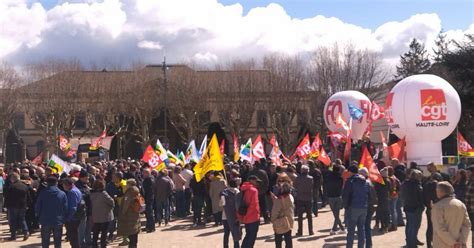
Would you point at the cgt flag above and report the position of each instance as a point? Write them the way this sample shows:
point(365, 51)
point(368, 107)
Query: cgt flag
point(211, 160)
point(314, 153)
point(367, 162)
point(96, 143)
point(258, 151)
point(397, 150)
point(464, 148)
point(275, 154)
point(64, 144)
point(304, 148)
point(151, 158)
point(324, 157)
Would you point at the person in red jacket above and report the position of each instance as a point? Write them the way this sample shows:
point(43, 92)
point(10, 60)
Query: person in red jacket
point(252, 218)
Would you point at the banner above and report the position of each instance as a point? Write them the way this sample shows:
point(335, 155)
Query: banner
point(324, 157)
point(314, 153)
point(58, 165)
point(367, 162)
point(64, 144)
point(151, 158)
point(96, 143)
point(464, 148)
point(246, 151)
point(397, 150)
point(304, 148)
point(211, 160)
point(275, 153)
point(258, 151)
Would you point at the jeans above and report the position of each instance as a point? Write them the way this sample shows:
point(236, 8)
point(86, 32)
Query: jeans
point(82, 232)
point(335, 203)
point(72, 231)
point(357, 218)
point(393, 211)
point(100, 228)
point(160, 207)
point(16, 220)
point(180, 204)
point(368, 228)
point(315, 201)
point(263, 206)
point(304, 207)
point(288, 240)
point(429, 229)
point(46, 233)
point(150, 220)
point(198, 204)
point(187, 200)
point(251, 231)
point(412, 227)
point(227, 233)
point(133, 241)
point(399, 211)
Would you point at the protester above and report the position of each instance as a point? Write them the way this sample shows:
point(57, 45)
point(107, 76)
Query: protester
point(116, 189)
point(102, 212)
point(216, 186)
point(179, 183)
point(412, 193)
point(429, 196)
point(451, 223)
point(258, 171)
point(460, 184)
point(315, 172)
point(51, 209)
point(401, 175)
point(469, 198)
point(229, 213)
point(2, 183)
point(199, 196)
point(304, 195)
point(148, 194)
point(17, 197)
point(162, 189)
point(356, 202)
point(371, 208)
point(334, 185)
point(394, 195)
point(282, 215)
point(85, 226)
point(76, 211)
point(383, 199)
point(188, 175)
point(251, 219)
point(129, 217)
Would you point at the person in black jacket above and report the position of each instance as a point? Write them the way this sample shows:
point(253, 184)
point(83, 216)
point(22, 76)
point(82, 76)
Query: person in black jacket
point(334, 183)
point(85, 226)
point(199, 195)
point(412, 194)
point(317, 182)
point(304, 194)
point(263, 188)
point(148, 194)
point(17, 198)
point(383, 197)
point(429, 197)
point(400, 173)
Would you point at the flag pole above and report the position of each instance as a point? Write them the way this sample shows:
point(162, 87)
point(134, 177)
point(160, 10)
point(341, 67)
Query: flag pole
point(457, 143)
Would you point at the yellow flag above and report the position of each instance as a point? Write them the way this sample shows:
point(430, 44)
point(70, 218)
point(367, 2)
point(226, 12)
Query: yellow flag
point(211, 160)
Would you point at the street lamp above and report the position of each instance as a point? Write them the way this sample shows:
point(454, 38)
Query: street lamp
point(165, 114)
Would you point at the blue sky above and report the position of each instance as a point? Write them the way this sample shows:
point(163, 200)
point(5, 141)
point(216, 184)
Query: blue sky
point(455, 14)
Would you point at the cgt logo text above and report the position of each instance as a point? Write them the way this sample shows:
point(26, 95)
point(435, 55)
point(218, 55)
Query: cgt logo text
point(433, 105)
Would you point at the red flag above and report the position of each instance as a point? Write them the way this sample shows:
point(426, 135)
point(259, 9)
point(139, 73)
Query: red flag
point(347, 148)
point(153, 159)
point(323, 157)
point(315, 146)
point(96, 143)
point(304, 148)
point(71, 153)
point(275, 154)
point(397, 150)
point(367, 162)
point(38, 159)
point(258, 151)
point(64, 144)
point(222, 146)
point(377, 112)
point(336, 139)
point(464, 148)
point(236, 149)
point(341, 123)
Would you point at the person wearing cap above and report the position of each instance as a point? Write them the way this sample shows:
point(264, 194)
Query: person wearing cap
point(76, 210)
point(355, 195)
point(51, 210)
point(469, 197)
point(304, 195)
point(451, 223)
point(251, 219)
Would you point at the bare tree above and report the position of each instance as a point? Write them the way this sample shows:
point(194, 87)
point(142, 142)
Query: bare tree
point(9, 81)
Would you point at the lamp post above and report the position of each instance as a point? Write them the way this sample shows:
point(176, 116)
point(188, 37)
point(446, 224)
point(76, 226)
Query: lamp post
point(165, 109)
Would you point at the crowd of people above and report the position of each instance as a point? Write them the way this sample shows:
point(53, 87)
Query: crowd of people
point(104, 201)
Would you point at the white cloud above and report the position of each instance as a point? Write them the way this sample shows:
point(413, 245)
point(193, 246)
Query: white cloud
point(201, 30)
point(151, 45)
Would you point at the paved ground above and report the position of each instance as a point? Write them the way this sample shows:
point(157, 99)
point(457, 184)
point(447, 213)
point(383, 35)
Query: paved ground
point(181, 235)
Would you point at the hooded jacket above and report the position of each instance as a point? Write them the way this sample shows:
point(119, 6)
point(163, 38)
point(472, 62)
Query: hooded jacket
point(51, 206)
point(251, 198)
point(356, 192)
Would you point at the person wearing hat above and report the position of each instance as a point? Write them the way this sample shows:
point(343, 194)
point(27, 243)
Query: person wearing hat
point(469, 197)
point(251, 219)
point(451, 223)
point(51, 210)
point(355, 196)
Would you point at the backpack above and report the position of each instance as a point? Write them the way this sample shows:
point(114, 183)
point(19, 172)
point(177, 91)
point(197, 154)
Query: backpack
point(240, 203)
point(138, 205)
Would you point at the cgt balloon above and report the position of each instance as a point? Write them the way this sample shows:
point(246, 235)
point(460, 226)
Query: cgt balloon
point(424, 109)
point(339, 103)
